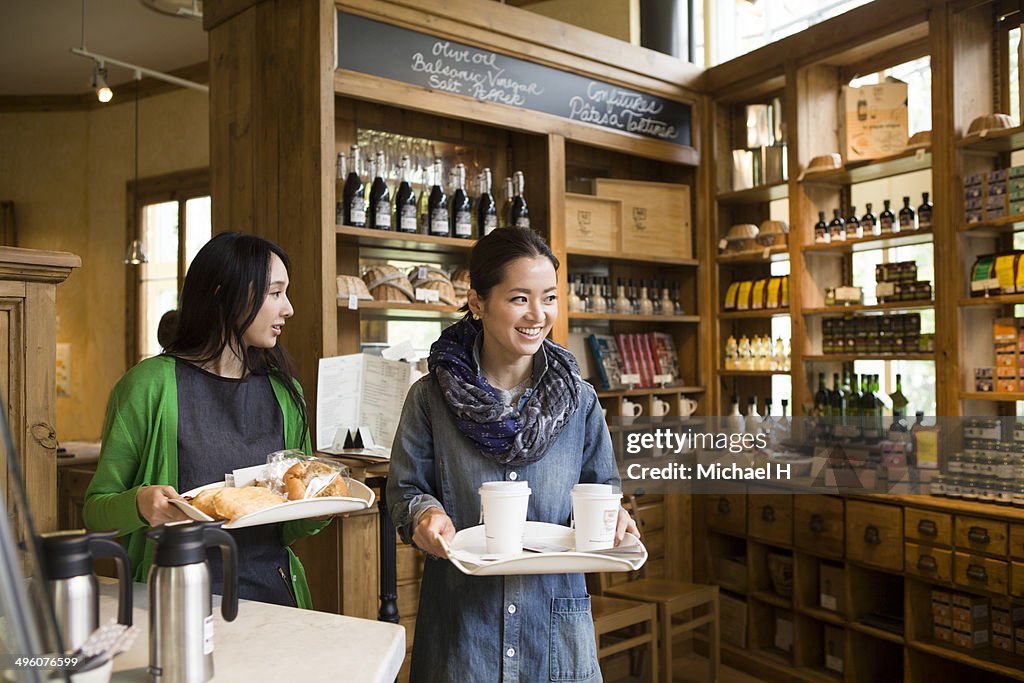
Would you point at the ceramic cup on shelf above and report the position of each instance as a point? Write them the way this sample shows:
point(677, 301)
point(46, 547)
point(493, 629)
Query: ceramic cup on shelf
point(660, 408)
point(630, 409)
point(687, 406)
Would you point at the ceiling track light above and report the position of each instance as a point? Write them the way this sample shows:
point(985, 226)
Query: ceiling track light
point(99, 83)
point(159, 75)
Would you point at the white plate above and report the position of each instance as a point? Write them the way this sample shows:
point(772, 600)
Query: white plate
point(362, 497)
point(469, 545)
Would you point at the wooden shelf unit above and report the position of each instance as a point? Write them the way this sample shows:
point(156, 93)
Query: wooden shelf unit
point(628, 317)
point(851, 357)
point(756, 195)
point(912, 160)
point(893, 307)
point(753, 314)
point(903, 239)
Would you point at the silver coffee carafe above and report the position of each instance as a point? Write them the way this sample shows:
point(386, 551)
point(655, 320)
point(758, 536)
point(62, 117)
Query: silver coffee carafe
point(74, 592)
point(180, 605)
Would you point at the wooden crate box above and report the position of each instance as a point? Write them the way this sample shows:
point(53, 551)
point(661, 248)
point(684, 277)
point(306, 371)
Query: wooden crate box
point(655, 217)
point(592, 223)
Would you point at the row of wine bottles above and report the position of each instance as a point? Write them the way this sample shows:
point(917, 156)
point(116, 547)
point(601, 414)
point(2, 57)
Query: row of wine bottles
point(864, 402)
point(841, 229)
point(443, 209)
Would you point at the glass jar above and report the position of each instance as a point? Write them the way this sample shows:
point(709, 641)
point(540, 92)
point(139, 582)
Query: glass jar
point(955, 463)
point(953, 489)
point(986, 490)
point(987, 464)
point(1005, 470)
point(970, 464)
point(969, 488)
point(937, 486)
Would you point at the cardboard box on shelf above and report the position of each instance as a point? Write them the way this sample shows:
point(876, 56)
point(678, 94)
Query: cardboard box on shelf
point(783, 630)
point(831, 595)
point(873, 121)
point(834, 648)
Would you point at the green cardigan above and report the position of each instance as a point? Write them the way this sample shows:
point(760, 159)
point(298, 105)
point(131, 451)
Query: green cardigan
point(140, 448)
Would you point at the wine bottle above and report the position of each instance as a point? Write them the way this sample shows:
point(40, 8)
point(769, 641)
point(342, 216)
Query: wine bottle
point(899, 401)
point(869, 222)
point(486, 208)
point(520, 213)
point(753, 421)
point(822, 407)
point(821, 234)
point(853, 226)
point(423, 204)
point(380, 197)
point(838, 399)
point(924, 213)
point(622, 304)
point(405, 199)
point(677, 304)
point(461, 208)
point(887, 220)
point(437, 207)
point(339, 189)
point(907, 216)
point(837, 227)
point(355, 199)
point(506, 206)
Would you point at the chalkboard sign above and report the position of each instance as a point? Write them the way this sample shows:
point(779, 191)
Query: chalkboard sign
point(380, 49)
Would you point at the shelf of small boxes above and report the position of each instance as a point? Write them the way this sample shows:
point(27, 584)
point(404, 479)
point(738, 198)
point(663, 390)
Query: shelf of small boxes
point(895, 336)
point(993, 196)
point(989, 470)
point(1008, 350)
point(984, 625)
point(997, 275)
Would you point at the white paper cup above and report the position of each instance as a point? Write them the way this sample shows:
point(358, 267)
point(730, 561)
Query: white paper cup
point(595, 511)
point(503, 507)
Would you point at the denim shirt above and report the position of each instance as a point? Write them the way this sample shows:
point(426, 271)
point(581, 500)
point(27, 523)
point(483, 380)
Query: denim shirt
point(505, 628)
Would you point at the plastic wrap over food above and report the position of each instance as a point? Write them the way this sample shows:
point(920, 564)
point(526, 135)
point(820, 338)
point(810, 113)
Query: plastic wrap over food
point(296, 476)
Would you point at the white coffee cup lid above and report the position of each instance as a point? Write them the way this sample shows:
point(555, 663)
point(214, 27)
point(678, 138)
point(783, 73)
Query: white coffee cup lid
point(504, 485)
point(595, 489)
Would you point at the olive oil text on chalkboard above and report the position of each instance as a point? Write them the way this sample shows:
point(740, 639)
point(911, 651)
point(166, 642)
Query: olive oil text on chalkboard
point(400, 54)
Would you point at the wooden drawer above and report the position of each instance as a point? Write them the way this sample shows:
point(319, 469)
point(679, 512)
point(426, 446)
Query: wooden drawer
point(770, 517)
point(1017, 579)
point(818, 524)
point(981, 535)
point(930, 562)
point(1017, 540)
point(874, 534)
point(650, 516)
point(935, 528)
point(726, 512)
point(981, 573)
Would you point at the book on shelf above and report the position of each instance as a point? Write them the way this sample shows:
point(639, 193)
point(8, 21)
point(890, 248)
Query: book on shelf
point(666, 360)
point(607, 359)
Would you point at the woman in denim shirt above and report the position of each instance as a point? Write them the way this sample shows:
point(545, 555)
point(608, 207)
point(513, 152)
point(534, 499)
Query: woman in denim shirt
point(501, 402)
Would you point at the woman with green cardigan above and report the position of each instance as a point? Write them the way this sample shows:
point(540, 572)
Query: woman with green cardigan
point(221, 397)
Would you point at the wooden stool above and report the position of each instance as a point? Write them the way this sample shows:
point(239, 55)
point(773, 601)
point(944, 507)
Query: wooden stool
point(613, 614)
point(674, 598)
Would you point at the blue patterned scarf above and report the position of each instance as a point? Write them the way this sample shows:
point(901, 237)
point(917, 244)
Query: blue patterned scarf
point(505, 435)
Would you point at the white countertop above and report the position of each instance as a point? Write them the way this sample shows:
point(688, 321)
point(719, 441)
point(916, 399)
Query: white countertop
point(274, 643)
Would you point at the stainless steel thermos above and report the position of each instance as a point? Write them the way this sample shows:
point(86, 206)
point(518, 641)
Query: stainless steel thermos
point(73, 589)
point(180, 605)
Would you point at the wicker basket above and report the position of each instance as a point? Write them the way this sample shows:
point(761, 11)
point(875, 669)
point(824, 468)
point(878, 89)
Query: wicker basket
point(349, 285)
point(773, 233)
point(982, 124)
point(780, 570)
point(741, 237)
point(429, 277)
point(460, 282)
point(388, 283)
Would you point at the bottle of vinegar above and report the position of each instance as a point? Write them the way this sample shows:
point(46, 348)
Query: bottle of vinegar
point(354, 195)
point(380, 197)
point(486, 207)
point(405, 200)
point(520, 214)
point(461, 206)
point(437, 205)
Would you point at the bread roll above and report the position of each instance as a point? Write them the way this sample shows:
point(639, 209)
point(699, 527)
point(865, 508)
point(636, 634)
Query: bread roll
point(299, 475)
point(231, 503)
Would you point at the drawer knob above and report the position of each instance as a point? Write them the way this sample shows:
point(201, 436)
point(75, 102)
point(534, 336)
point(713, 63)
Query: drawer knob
point(976, 572)
point(927, 527)
point(817, 524)
point(872, 536)
point(978, 534)
point(768, 513)
point(723, 506)
point(927, 563)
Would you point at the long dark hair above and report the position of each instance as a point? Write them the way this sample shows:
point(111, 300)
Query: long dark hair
point(224, 289)
point(493, 252)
